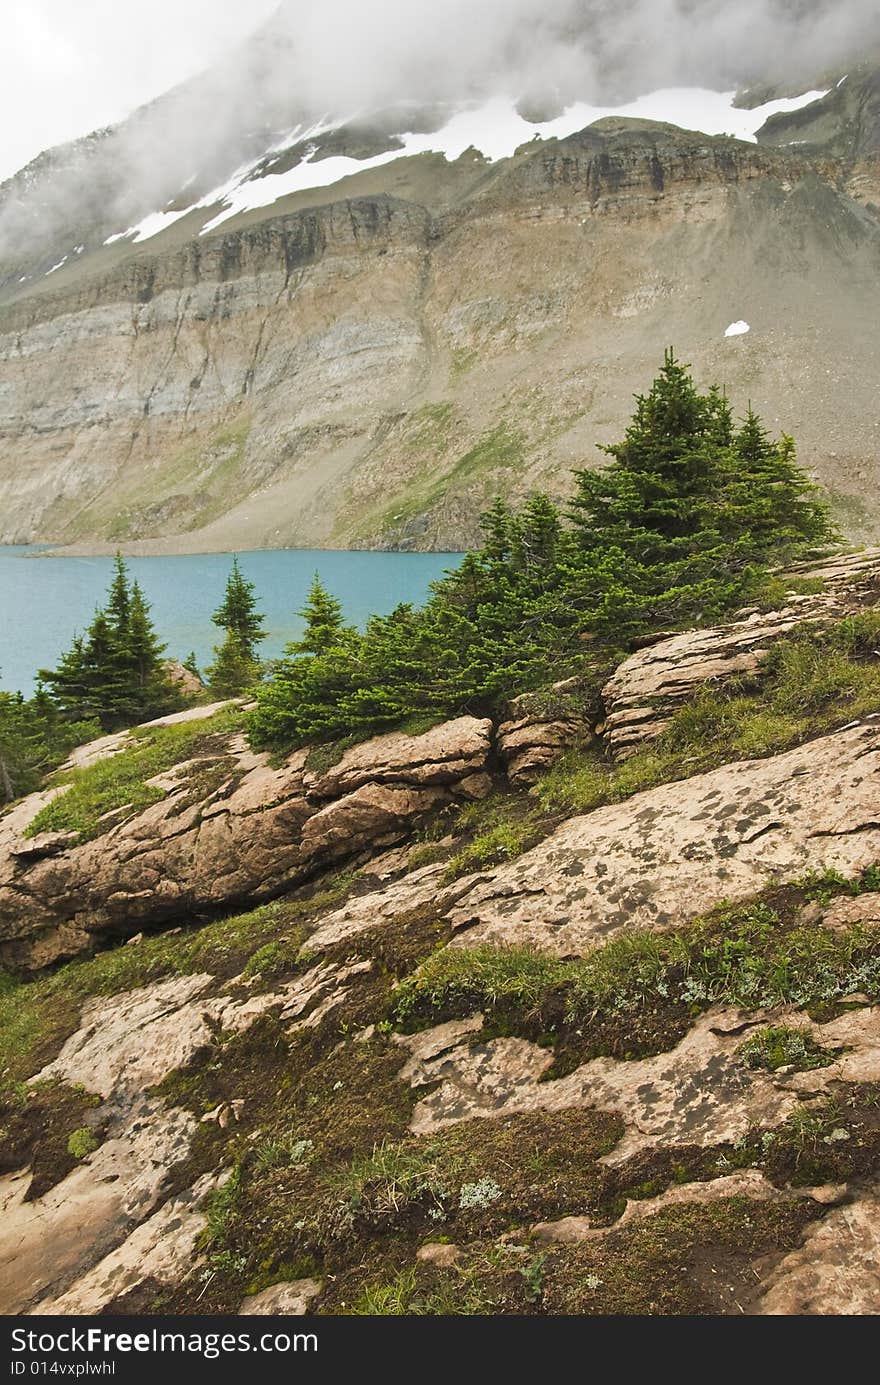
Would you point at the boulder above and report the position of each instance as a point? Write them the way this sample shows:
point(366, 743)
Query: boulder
point(698, 1093)
point(538, 727)
point(373, 815)
point(187, 682)
point(836, 1270)
point(442, 756)
point(290, 1300)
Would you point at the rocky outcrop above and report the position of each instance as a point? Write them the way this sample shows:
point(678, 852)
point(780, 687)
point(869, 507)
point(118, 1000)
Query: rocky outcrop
point(48, 1242)
point(663, 854)
point(697, 1094)
point(836, 1270)
point(538, 728)
point(289, 1300)
point(115, 1228)
point(648, 687)
point(189, 684)
point(260, 831)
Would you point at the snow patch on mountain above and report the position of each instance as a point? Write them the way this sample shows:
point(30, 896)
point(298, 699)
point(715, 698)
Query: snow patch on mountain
point(495, 129)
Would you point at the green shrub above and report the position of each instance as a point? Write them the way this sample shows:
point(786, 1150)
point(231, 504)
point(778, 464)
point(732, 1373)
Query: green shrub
point(81, 1143)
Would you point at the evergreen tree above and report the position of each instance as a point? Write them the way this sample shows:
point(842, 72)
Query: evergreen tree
point(34, 739)
point(767, 493)
point(499, 532)
point(539, 529)
point(115, 671)
point(236, 666)
point(325, 625)
point(308, 695)
point(678, 525)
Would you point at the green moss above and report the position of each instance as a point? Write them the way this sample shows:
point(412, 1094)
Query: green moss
point(34, 1121)
point(120, 782)
point(81, 1143)
point(781, 1045)
point(834, 1140)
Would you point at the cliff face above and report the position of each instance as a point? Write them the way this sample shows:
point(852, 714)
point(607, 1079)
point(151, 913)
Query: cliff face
point(370, 371)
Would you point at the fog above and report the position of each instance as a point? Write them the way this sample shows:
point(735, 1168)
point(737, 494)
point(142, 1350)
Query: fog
point(345, 58)
point(351, 52)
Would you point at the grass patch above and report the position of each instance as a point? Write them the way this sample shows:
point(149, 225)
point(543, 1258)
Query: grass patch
point(475, 1179)
point(776, 590)
point(499, 828)
point(121, 781)
point(464, 358)
point(834, 1140)
point(638, 993)
point(414, 1292)
point(808, 684)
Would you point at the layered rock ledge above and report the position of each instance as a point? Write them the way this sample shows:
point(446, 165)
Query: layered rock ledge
point(263, 830)
point(648, 687)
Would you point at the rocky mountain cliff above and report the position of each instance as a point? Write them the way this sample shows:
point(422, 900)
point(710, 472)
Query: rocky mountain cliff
point(611, 1059)
point(367, 362)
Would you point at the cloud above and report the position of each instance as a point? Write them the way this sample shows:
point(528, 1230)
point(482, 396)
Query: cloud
point(71, 66)
point(350, 52)
point(342, 58)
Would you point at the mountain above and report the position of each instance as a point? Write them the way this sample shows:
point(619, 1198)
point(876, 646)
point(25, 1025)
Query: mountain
point(237, 320)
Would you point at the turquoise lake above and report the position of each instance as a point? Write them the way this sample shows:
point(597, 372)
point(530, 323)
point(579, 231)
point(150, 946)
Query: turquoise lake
point(45, 600)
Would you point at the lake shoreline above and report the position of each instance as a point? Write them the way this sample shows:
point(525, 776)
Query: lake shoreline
point(176, 546)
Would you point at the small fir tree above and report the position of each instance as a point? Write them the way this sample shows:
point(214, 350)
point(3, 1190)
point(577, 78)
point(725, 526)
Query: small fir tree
point(236, 666)
point(308, 695)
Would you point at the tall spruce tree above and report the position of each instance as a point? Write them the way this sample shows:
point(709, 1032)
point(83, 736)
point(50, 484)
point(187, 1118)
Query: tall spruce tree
point(115, 671)
point(236, 666)
point(688, 512)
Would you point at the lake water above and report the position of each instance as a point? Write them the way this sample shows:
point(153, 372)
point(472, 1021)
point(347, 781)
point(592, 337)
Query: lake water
point(44, 600)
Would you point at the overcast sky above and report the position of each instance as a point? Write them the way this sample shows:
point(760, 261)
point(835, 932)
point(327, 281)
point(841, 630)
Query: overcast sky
point(70, 66)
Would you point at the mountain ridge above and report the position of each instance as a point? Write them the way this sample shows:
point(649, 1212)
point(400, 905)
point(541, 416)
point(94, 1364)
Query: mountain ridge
point(365, 364)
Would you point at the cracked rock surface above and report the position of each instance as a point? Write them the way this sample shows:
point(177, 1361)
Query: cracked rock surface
point(263, 830)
